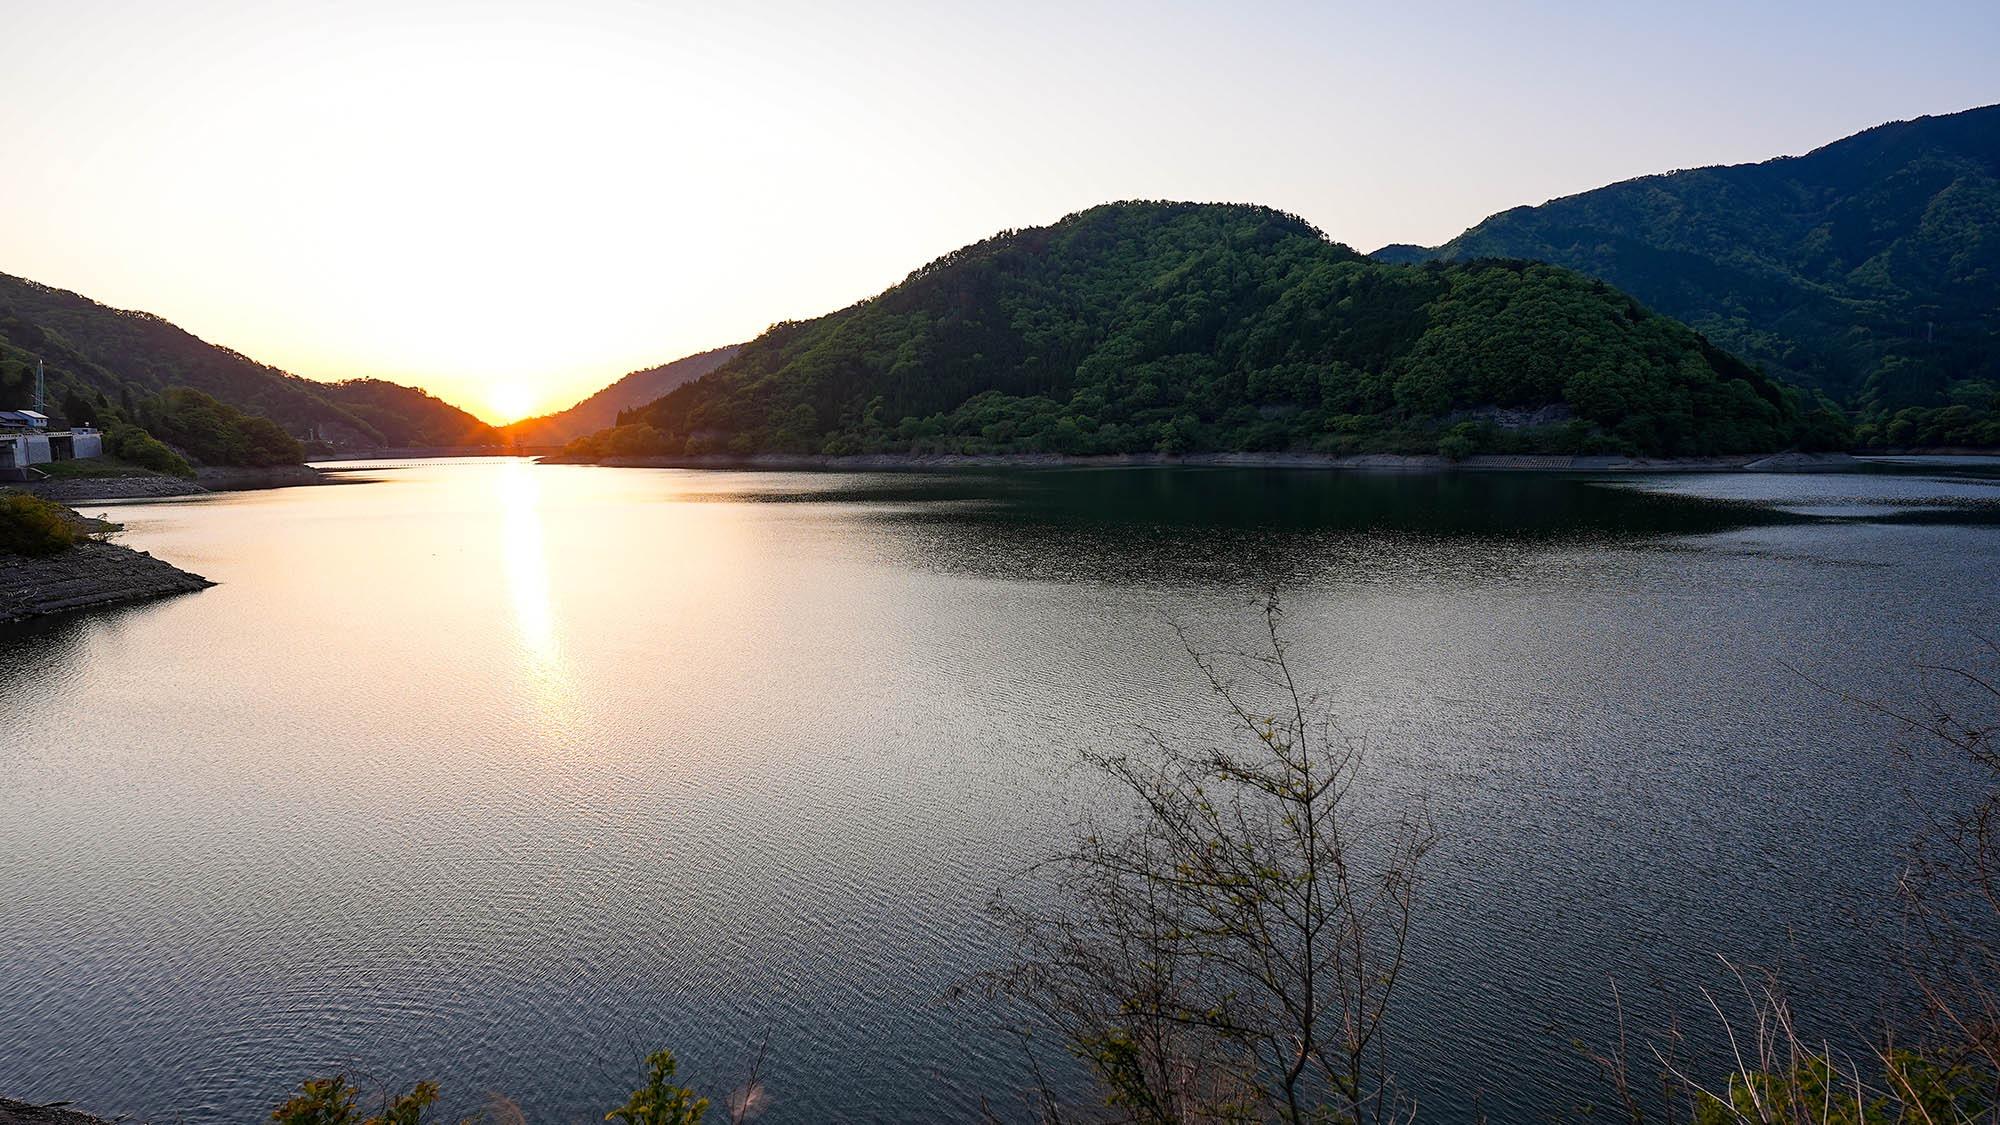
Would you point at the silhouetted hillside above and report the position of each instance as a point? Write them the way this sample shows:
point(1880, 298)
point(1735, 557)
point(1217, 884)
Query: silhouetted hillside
point(131, 355)
point(602, 409)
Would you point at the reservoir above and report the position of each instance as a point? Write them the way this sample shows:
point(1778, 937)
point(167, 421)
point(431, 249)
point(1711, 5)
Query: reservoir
point(506, 775)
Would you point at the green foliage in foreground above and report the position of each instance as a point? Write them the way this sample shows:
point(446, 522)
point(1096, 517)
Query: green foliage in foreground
point(1914, 1086)
point(660, 1101)
point(332, 1101)
point(335, 1101)
point(30, 525)
point(1174, 327)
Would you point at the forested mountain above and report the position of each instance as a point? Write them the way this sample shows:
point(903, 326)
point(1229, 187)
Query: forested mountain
point(129, 355)
point(601, 409)
point(1869, 268)
point(1141, 327)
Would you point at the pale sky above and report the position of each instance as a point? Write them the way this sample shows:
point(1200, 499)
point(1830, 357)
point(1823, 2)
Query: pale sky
point(511, 204)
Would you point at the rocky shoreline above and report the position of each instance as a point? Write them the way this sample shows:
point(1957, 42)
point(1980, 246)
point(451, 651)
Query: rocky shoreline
point(90, 575)
point(72, 490)
point(24, 1113)
point(208, 478)
point(1374, 462)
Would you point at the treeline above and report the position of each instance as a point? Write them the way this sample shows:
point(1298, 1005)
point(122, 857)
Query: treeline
point(1173, 327)
point(1969, 419)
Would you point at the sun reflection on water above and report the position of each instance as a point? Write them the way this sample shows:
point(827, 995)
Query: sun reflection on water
point(524, 553)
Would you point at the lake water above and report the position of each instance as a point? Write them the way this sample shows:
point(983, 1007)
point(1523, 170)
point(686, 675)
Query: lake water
point(506, 775)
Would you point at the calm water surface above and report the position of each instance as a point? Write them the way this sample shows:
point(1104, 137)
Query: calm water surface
point(506, 774)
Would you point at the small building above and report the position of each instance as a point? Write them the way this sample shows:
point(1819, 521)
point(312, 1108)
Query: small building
point(19, 450)
point(26, 441)
point(85, 441)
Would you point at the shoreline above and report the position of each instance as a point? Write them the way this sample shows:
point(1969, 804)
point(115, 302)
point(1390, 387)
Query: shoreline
point(60, 1113)
point(207, 479)
point(92, 574)
point(1367, 462)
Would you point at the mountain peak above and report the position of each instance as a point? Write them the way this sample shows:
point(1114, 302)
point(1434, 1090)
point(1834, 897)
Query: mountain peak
point(1868, 268)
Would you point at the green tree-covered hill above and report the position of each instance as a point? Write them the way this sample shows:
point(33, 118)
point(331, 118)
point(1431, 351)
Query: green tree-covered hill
point(1143, 327)
point(1869, 268)
point(126, 355)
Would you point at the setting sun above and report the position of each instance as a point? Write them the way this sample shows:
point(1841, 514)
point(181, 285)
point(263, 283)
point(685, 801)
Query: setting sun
point(509, 402)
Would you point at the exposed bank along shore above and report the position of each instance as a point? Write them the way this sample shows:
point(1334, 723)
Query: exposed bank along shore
point(208, 478)
point(95, 574)
point(90, 575)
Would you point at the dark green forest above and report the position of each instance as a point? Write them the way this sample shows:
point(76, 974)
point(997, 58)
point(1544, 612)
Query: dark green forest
point(1175, 327)
point(90, 347)
point(1868, 269)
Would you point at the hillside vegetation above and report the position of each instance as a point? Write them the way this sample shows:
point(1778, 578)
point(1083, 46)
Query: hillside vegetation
point(1869, 268)
point(1176, 327)
point(126, 356)
point(194, 425)
point(601, 409)
point(215, 433)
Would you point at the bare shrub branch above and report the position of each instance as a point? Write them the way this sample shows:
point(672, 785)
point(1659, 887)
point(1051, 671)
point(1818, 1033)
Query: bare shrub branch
point(1226, 945)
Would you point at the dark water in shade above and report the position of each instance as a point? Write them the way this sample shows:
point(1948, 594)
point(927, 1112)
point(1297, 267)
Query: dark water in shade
point(505, 775)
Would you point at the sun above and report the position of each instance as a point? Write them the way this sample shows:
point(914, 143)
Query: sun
point(509, 402)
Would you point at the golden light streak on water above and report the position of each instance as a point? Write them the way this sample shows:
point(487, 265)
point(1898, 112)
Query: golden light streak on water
point(524, 554)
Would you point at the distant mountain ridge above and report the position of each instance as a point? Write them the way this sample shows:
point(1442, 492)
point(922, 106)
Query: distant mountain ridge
point(1179, 327)
point(602, 409)
point(119, 353)
point(1868, 268)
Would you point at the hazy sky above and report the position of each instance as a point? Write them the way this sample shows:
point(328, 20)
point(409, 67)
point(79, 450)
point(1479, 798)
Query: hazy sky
point(511, 204)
